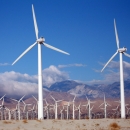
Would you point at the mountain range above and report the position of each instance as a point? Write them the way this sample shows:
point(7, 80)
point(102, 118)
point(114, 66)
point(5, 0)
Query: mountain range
point(92, 91)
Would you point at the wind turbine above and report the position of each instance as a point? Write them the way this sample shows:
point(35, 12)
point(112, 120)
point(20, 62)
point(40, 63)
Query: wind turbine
point(2, 97)
point(73, 107)
point(18, 105)
point(105, 106)
point(15, 112)
point(61, 112)
point(36, 101)
point(120, 51)
point(2, 107)
point(47, 108)
point(40, 42)
point(89, 107)
point(117, 111)
point(9, 113)
point(25, 109)
point(79, 110)
point(56, 106)
point(32, 111)
point(68, 108)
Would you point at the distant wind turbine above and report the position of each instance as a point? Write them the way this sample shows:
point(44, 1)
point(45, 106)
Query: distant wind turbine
point(9, 113)
point(47, 108)
point(18, 105)
point(73, 107)
point(105, 106)
point(56, 106)
point(40, 42)
point(79, 110)
point(120, 51)
point(89, 107)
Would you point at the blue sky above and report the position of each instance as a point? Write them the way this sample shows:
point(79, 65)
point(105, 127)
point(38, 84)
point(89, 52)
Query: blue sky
point(84, 28)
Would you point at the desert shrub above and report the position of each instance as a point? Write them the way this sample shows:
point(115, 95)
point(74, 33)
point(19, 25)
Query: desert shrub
point(25, 121)
point(7, 122)
point(114, 126)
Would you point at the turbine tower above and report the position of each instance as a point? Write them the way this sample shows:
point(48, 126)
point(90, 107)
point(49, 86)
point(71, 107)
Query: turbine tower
point(120, 51)
point(40, 42)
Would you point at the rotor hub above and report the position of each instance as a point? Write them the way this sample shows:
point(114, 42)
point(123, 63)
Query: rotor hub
point(121, 50)
point(41, 40)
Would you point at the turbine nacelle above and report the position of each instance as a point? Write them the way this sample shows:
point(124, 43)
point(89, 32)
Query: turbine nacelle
point(41, 40)
point(121, 50)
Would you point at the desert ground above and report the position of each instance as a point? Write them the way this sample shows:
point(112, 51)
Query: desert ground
point(87, 124)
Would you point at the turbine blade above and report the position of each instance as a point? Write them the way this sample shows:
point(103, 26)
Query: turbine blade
point(35, 22)
point(117, 39)
point(91, 107)
point(53, 98)
point(104, 98)
point(23, 102)
point(87, 98)
point(3, 102)
point(59, 101)
point(24, 52)
point(21, 98)
point(74, 98)
point(92, 102)
point(126, 54)
point(109, 61)
point(14, 99)
point(2, 97)
point(34, 98)
point(46, 101)
point(101, 104)
point(54, 48)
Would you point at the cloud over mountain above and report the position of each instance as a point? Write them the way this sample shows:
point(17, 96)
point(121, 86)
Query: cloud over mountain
point(15, 83)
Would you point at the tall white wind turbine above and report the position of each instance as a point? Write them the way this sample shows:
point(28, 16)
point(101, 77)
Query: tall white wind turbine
point(120, 51)
point(40, 41)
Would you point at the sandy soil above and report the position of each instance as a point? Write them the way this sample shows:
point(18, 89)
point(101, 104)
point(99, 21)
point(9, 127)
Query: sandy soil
point(93, 124)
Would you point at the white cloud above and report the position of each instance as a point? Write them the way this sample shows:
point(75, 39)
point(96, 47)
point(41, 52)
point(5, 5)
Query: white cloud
point(71, 65)
point(112, 73)
point(52, 75)
point(14, 83)
point(4, 64)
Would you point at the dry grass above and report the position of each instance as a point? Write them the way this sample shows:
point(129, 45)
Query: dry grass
point(114, 126)
point(25, 121)
point(7, 122)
